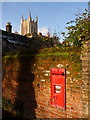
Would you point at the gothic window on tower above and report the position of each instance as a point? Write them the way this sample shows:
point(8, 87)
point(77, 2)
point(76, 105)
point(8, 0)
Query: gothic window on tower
point(32, 28)
point(26, 29)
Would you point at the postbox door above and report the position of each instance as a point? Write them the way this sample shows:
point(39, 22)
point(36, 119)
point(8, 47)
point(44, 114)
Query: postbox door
point(58, 87)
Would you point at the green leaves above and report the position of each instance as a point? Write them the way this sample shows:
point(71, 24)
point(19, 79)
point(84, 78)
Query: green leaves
point(78, 28)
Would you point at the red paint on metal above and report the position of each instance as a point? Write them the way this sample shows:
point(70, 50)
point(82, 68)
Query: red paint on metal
point(58, 95)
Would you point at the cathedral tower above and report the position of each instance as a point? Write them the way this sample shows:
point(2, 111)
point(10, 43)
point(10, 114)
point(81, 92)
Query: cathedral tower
point(29, 25)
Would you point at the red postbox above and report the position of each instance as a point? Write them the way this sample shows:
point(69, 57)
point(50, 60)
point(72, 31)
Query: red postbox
point(58, 97)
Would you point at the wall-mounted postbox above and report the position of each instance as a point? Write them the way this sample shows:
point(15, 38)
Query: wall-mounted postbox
point(58, 97)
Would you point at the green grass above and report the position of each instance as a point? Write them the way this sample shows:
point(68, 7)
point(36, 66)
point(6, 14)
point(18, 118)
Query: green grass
point(10, 56)
point(53, 54)
point(40, 55)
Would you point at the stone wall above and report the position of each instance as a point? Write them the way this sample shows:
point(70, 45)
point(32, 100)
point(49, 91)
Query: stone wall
point(86, 78)
point(26, 83)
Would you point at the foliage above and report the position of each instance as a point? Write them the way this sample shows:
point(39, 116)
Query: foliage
point(6, 103)
point(79, 31)
point(56, 38)
point(46, 41)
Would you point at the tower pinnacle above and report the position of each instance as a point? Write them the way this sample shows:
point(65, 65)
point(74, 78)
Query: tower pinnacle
point(29, 16)
point(22, 17)
point(36, 18)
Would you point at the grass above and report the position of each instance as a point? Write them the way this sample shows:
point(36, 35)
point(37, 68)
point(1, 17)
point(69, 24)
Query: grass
point(70, 54)
point(40, 55)
point(53, 54)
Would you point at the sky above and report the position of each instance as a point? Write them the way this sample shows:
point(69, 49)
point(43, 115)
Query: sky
point(52, 16)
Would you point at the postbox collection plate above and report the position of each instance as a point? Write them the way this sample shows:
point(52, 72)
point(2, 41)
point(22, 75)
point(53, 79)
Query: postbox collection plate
point(58, 87)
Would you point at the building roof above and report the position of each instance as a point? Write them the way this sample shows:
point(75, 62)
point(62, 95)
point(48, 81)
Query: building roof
point(14, 38)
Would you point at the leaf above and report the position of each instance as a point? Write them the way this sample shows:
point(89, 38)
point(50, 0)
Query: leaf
point(84, 13)
point(67, 22)
point(86, 10)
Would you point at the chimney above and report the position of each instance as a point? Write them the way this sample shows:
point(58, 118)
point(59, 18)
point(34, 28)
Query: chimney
point(9, 27)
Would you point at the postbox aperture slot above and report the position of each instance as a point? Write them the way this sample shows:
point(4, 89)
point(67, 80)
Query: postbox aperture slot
point(58, 74)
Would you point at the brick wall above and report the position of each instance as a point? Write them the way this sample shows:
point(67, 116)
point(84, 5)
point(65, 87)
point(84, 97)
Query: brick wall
point(26, 82)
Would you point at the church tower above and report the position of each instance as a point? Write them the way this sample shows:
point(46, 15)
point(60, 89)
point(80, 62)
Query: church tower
point(29, 25)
